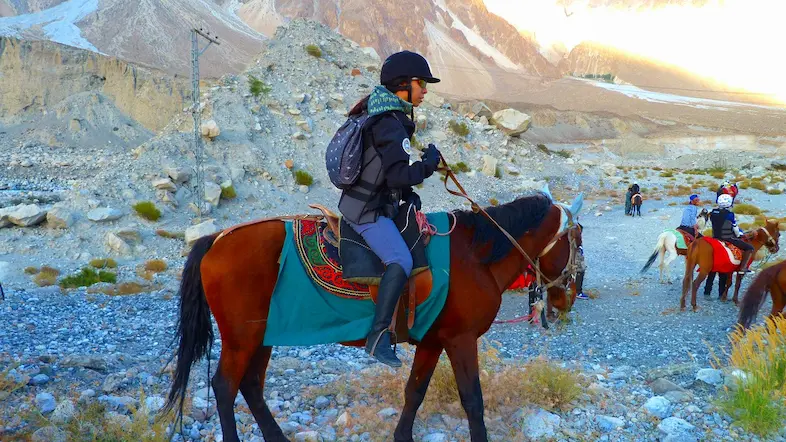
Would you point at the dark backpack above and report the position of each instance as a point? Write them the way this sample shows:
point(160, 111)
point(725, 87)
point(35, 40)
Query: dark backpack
point(344, 154)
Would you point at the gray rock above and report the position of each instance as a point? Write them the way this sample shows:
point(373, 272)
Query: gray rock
point(64, 412)
point(116, 244)
point(289, 427)
point(710, 376)
point(39, 379)
point(178, 174)
point(193, 233)
point(680, 437)
point(489, 165)
point(321, 403)
point(122, 404)
point(387, 413)
point(675, 426)
point(308, 436)
point(609, 423)
point(658, 406)
point(104, 214)
point(59, 218)
point(49, 434)
point(679, 396)
point(85, 361)
point(154, 403)
point(540, 424)
point(212, 193)
point(45, 402)
point(435, 437)
point(662, 386)
point(27, 215)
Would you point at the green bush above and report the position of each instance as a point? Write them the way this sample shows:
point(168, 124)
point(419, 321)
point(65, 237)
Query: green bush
point(147, 210)
point(87, 277)
point(460, 167)
point(228, 192)
point(303, 178)
point(314, 51)
point(459, 128)
point(257, 87)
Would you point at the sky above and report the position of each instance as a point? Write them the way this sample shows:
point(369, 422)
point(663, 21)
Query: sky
point(737, 42)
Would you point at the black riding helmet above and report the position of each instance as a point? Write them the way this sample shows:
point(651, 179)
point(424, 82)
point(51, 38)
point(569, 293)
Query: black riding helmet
point(403, 66)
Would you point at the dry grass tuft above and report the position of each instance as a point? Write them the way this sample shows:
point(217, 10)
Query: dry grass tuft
point(757, 402)
point(46, 276)
point(156, 265)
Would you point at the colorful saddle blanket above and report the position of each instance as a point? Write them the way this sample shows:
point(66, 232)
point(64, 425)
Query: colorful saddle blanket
point(312, 304)
point(321, 260)
point(726, 257)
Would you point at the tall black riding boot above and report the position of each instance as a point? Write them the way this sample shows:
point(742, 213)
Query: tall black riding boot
point(745, 261)
point(378, 342)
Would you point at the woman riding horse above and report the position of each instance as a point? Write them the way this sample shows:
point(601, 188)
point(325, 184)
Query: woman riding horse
point(386, 179)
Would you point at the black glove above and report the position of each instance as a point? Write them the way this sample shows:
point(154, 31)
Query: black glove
point(414, 199)
point(431, 159)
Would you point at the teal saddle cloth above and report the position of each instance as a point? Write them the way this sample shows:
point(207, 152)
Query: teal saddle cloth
point(303, 312)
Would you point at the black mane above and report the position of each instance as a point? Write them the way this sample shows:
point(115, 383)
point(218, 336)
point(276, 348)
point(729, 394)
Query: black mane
point(516, 217)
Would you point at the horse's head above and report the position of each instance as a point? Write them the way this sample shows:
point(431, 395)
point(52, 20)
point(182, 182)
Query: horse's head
point(770, 235)
point(703, 218)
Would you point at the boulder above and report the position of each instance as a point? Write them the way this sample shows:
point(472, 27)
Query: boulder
point(511, 121)
point(27, 215)
point(59, 218)
point(210, 129)
point(489, 165)
point(481, 110)
point(193, 233)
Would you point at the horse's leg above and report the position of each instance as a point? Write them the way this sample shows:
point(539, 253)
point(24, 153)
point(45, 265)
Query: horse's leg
point(724, 282)
point(778, 300)
point(463, 353)
point(426, 359)
point(687, 280)
point(737, 285)
point(252, 387)
point(231, 368)
point(704, 270)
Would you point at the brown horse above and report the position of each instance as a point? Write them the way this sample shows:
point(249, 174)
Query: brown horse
point(701, 252)
point(635, 204)
point(771, 279)
point(234, 278)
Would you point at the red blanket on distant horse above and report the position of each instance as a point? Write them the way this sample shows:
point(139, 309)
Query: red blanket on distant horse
point(726, 257)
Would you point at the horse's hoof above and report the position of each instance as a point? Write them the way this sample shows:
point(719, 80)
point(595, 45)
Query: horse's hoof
point(682, 309)
point(695, 308)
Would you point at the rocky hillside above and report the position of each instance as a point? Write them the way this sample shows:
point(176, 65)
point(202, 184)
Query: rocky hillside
point(40, 76)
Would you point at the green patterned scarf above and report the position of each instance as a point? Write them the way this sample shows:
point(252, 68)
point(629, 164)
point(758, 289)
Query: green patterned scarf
point(382, 100)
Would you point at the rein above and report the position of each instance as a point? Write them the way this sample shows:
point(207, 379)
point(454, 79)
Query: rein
point(476, 208)
point(538, 307)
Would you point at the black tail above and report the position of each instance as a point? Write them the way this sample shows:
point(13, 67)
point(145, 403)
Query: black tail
point(194, 329)
point(754, 297)
point(650, 261)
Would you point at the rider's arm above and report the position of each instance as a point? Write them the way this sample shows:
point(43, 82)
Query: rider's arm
point(737, 231)
point(389, 136)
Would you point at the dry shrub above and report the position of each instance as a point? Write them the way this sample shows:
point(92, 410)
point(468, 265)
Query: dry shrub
point(130, 288)
point(31, 270)
point(156, 265)
point(746, 209)
point(506, 388)
point(46, 276)
point(171, 235)
point(9, 384)
point(91, 424)
point(757, 403)
point(103, 263)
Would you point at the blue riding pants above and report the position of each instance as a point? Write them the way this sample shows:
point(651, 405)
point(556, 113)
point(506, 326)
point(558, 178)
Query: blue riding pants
point(384, 239)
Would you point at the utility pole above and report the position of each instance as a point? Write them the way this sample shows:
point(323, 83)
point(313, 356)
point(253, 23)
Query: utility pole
point(199, 151)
